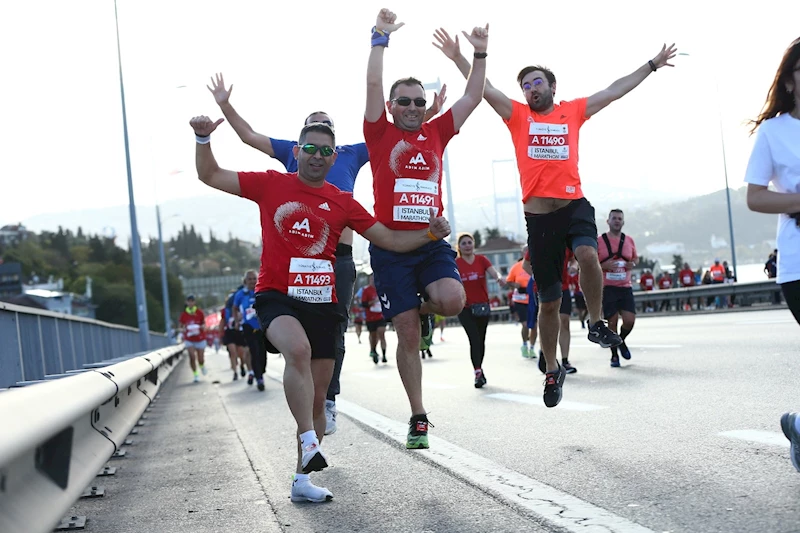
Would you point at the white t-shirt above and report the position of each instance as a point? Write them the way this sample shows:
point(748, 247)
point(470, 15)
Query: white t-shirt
point(776, 159)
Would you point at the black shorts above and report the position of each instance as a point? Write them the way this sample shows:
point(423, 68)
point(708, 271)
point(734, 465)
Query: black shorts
point(580, 301)
point(233, 336)
point(616, 299)
point(320, 321)
point(374, 325)
point(566, 303)
point(522, 312)
point(550, 234)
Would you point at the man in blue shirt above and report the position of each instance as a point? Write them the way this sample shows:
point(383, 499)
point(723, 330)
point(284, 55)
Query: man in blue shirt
point(350, 159)
point(245, 315)
point(233, 339)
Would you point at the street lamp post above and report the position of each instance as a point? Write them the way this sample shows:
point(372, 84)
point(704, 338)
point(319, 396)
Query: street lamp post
point(136, 246)
point(725, 171)
point(437, 86)
point(164, 287)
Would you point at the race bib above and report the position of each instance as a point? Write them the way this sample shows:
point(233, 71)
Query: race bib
point(413, 200)
point(548, 141)
point(648, 282)
point(311, 280)
point(376, 307)
point(519, 298)
point(687, 280)
point(193, 329)
point(616, 276)
point(249, 313)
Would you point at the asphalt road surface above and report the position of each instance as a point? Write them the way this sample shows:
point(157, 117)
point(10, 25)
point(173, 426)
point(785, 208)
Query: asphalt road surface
point(684, 437)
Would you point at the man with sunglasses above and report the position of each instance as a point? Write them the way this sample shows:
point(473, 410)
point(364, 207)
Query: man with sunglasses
point(545, 137)
point(349, 160)
point(406, 160)
point(302, 218)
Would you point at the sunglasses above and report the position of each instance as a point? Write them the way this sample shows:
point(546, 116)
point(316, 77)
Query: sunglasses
point(311, 149)
point(527, 86)
point(406, 101)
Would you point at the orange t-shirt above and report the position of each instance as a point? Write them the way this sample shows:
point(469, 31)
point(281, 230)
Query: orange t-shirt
point(517, 275)
point(547, 149)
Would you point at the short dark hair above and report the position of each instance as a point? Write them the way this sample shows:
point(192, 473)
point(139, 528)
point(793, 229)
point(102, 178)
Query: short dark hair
point(616, 210)
point(405, 81)
point(551, 78)
point(318, 127)
point(316, 113)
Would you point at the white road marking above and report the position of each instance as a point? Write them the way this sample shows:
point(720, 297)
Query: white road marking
point(559, 508)
point(766, 321)
point(537, 400)
point(762, 437)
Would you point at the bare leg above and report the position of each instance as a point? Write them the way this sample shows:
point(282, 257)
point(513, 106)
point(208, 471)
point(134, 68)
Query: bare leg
point(591, 276)
point(192, 358)
point(548, 331)
point(564, 336)
point(407, 326)
point(321, 373)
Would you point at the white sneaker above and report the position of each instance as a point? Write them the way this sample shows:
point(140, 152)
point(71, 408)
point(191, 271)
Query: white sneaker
point(313, 458)
point(330, 417)
point(308, 492)
point(196, 378)
point(204, 370)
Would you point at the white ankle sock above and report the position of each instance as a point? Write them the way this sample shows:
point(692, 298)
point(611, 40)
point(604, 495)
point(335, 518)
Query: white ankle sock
point(301, 478)
point(308, 437)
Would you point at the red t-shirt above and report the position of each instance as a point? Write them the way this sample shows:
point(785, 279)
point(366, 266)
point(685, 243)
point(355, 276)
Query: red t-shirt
point(407, 170)
point(665, 282)
point(547, 149)
point(473, 277)
point(300, 227)
point(369, 297)
point(686, 277)
point(194, 323)
point(648, 282)
point(620, 276)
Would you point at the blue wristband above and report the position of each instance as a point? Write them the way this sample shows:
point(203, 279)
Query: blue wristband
point(379, 38)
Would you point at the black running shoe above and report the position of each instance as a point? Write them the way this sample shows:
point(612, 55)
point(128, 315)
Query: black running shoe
point(480, 380)
point(568, 368)
point(260, 384)
point(552, 386)
point(624, 351)
point(600, 334)
point(242, 370)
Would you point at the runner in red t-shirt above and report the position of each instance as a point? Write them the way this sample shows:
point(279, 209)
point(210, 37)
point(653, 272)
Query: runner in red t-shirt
point(617, 254)
point(302, 218)
point(686, 279)
point(545, 137)
point(406, 157)
point(664, 283)
point(475, 270)
point(192, 322)
point(376, 324)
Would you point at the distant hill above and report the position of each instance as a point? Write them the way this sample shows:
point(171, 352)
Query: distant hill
point(651, 217)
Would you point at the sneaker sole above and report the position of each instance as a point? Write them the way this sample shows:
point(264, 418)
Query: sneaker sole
point(329, 431)
point(787, 420)
point(603, 344)
point(305, 499)
point(316, 464)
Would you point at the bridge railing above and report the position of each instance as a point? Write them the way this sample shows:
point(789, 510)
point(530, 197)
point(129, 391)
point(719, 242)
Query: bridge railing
point(35, 343)
point(57, 435)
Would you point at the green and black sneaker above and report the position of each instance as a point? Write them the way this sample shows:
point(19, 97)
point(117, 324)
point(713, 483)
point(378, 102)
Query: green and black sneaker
point(418, 433)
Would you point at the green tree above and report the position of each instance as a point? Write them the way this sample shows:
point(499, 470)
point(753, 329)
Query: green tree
point(492, 233)
point(478, 238)
point(677, 260)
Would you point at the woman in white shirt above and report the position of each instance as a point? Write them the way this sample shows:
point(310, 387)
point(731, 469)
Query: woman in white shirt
point(775, 161)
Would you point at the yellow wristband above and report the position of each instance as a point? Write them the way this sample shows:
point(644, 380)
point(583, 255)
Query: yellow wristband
point(431, 236)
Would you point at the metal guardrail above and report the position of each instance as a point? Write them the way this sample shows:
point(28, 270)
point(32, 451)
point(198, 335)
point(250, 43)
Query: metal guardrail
point(35, 343)
point(57, 435)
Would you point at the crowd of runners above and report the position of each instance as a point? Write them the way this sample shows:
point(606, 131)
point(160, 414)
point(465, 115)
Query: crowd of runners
point(297, 304)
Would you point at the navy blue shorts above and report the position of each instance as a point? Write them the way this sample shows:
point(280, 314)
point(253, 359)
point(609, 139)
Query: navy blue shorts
point(616, 299)
point(402, 278)
point(533, 306)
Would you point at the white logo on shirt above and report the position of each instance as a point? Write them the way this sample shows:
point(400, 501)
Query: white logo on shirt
point(302, 226)
point(325, 206)
point(422, 137)
point(417, 160)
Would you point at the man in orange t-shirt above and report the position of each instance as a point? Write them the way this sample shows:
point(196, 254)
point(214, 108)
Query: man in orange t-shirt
point(545, 137)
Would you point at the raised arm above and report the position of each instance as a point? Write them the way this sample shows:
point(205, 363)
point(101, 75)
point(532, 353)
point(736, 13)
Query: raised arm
point(240, 126)
point(384, 26)
point(623, 86)
point(207, 168)
point(451, 48)
point(406, 241)
point(476, 80)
